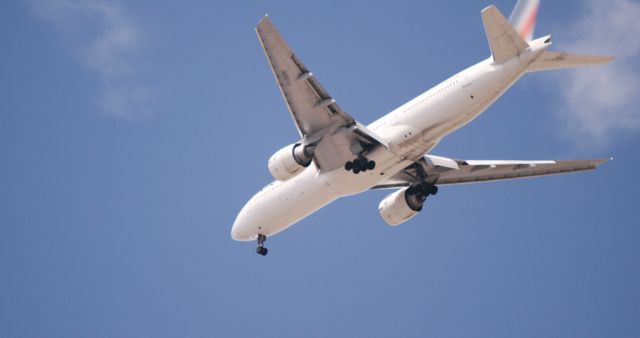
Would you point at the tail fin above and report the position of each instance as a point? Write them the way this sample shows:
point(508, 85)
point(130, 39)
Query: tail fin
point(556, 60)
point(524, 16)
point(504, 41)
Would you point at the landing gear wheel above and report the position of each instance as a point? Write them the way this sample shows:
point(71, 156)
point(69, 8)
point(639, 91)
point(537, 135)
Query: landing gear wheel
point(348, 166)
point(261, 250)
point(360, 165)
point(371, 165)
point(422, 190)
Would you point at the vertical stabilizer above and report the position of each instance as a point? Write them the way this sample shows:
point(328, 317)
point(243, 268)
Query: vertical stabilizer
point(523, 18)
point(504, 41)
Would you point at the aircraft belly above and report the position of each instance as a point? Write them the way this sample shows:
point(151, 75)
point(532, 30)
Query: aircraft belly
point(283, 204)
point(290, 202)
point(475, 91)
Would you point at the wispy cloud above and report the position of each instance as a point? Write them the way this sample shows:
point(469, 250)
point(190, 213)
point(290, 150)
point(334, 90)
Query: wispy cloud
point(105, 41)
point(600, 102)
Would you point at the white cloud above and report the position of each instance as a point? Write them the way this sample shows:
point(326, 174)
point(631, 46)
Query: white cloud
point(600, 102)
point(105, 41)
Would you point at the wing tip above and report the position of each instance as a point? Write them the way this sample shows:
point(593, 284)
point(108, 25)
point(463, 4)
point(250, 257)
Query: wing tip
point(603, 59)
point(603, 161)
point(264, 20)
point(488, 8)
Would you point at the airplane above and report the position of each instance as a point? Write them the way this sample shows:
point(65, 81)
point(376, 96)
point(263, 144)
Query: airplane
point(338, 156)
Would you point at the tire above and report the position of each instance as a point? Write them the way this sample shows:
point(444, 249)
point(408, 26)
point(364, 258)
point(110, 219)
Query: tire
point(371, 165)
point(348, 166)
point(357, 164)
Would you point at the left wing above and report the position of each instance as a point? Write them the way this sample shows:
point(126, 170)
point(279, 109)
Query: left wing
point(322, 124)
point(443, 171)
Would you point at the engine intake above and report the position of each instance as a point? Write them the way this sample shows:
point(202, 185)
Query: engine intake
point(289, 162)
point(400, 207)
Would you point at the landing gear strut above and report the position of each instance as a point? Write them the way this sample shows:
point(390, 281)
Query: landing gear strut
point(423, 189)
point(261, 250)
point(360, 164)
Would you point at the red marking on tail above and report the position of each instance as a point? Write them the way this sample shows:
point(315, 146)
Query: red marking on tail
point(527, 28)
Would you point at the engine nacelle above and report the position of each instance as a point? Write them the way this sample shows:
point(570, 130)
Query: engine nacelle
point(289, 162)
point(400, 207)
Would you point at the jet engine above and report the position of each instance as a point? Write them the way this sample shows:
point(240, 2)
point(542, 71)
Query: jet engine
point(400, 206)
point(289, 162)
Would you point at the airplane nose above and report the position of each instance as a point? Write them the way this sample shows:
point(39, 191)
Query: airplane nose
point(240, 231)
point(236, 232)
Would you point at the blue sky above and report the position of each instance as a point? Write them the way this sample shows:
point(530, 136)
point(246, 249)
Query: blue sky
point(132, 133)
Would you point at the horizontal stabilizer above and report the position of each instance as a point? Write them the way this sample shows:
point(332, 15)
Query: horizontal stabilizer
point(505, 42)
point(557, 60)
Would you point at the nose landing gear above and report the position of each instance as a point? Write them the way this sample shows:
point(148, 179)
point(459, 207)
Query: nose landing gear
point(360, 164)
point(261, 250)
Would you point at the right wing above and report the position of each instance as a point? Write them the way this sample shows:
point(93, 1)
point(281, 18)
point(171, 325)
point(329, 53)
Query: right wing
point(310, 105)
point(444, 171)
point(334, 135)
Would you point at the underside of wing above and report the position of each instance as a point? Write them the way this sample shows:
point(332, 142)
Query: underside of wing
point(329, 133)
point(311, 106)
point(443, 171)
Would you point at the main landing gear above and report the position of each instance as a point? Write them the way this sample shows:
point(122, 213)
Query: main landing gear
point(261, 250)
point(423, 190)
point(360, 164)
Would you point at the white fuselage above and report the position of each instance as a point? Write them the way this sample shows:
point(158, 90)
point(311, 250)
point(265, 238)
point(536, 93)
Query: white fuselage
point(411, 131)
